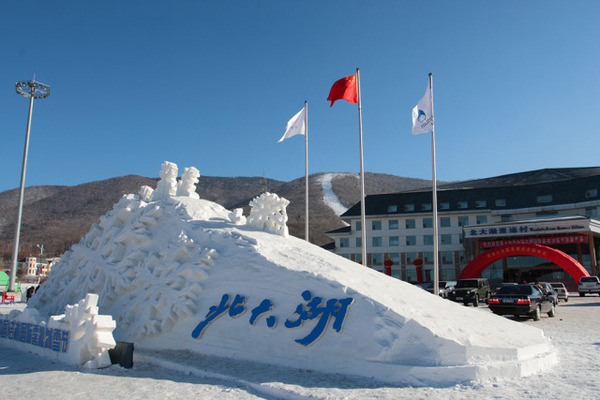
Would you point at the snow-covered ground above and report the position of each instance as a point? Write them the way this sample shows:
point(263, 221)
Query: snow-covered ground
point(180, 375)
point(329, 195)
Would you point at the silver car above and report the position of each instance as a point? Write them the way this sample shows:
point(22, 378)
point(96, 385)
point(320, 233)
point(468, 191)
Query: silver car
point(561, 289)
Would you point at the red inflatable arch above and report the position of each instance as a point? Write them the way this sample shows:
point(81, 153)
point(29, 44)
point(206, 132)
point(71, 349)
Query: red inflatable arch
point(482, 261)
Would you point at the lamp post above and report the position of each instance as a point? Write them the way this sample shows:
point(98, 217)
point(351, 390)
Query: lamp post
point(32, 90)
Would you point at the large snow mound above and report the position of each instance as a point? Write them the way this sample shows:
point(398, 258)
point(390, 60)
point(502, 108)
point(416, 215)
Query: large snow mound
point(177, 274)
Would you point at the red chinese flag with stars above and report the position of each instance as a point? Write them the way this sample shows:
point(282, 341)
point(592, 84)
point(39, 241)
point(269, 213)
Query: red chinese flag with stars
point(344, 89)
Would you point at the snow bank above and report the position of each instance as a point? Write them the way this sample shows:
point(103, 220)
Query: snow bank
point(180, 273)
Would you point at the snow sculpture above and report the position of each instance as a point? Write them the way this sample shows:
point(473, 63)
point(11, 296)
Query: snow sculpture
point(236, 217)
point(91, 333)
point(146, 193)
point(268, 213)
point(79, 336)
point(187, 185)
point(167, 185)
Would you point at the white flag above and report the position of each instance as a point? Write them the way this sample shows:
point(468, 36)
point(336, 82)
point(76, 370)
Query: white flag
point(422, 114)
point(295, 126)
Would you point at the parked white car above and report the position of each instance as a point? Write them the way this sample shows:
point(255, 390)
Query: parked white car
point(589, 284)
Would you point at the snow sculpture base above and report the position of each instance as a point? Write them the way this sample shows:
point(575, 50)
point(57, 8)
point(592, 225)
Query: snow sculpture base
point(80, 336)
point(180, 274)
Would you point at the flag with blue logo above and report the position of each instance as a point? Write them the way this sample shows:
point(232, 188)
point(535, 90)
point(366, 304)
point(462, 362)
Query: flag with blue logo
point(422, 114)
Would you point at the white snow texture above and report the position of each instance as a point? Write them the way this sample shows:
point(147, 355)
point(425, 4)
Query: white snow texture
point(177, 273)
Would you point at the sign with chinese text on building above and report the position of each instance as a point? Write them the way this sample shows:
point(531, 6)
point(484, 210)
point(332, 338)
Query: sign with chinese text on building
point(527, 228)
point(548, 241)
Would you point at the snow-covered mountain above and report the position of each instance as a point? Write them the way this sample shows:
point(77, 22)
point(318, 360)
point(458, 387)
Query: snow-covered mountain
point(58, 216)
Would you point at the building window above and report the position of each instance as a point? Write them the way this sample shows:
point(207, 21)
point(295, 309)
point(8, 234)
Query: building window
point(591, 212)
point(411, 240)
point(427, 223)
point(358, 258)
point(462, 204)
point(481, 219)
point(591, 193)
point(393, 224)
point(460, 238)
point(547, 198)
point(409, 207)
point(445, 222)
point(345, 256)
point(358, 225)
point(480, 203)
point(426, 206)
point(410, 258)
point(377, 258)
point(344, 242)
point(463, 221)
point(377, 242)
point(376, 225)
point(500, 202)
point(410, 224)
point(444, 206)
point(427, 239)
point(393, 208)
point(446, 239)
point(447, 257)
point(358, 242)
point(394, 241)
point(428, 257)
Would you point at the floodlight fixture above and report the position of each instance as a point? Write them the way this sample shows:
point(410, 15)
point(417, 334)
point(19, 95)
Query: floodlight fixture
point(32, 89)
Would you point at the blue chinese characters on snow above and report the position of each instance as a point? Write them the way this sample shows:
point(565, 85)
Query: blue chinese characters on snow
point(37, 335)
point(314, 308)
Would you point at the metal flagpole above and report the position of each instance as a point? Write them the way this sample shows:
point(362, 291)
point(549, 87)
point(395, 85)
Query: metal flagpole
point(362, 175)
point(306, 166)
point(436, 271)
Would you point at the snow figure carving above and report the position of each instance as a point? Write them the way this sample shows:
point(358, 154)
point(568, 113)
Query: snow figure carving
point(187, 186)
point(146, 193)
point(268, 213)
point(167, 185)
point(236, 217)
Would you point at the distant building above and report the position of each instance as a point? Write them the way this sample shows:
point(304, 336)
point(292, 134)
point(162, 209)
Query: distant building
point(38, 266)
point(553, 207)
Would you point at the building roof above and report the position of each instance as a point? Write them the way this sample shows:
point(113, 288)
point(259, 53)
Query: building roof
point(520, 190)
point(345, 229)
point(548, 175)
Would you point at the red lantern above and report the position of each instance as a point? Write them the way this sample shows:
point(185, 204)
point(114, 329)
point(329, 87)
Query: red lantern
point(388, 266)
point(418, 263)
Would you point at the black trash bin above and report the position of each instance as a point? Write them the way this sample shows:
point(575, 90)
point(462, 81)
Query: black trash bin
point(122, 354)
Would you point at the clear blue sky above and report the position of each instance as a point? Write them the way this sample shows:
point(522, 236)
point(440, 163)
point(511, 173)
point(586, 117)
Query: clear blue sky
point(211, 84)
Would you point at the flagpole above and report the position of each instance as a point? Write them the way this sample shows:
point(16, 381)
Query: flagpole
point(362, 174)
point(436, 273)
point(306, 166)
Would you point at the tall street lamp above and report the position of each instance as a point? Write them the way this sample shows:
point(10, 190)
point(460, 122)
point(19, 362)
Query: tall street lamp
point(31, 90)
